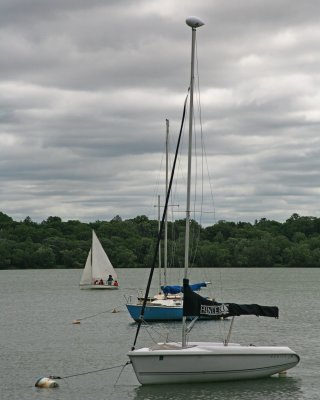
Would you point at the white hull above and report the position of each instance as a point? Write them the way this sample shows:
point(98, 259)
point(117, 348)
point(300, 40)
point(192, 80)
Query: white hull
point(208, 362)
point(99, 287)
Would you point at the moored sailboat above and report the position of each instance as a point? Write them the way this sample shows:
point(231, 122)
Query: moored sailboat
point(187, 362)
point(167, 304)
point(164, 307)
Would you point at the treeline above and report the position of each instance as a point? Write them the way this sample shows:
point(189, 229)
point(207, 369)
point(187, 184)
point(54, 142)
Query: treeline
point(130, 243)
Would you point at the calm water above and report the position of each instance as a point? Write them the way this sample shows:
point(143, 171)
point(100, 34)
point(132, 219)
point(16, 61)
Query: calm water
point(38, 338)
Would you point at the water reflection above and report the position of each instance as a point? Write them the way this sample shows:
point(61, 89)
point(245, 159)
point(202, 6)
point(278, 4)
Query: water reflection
point(277, 388)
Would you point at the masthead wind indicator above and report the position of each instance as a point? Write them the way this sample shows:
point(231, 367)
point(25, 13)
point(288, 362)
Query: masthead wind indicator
point(194, 22)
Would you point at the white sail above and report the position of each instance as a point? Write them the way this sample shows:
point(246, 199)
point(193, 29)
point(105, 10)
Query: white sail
point(86, 278)
point(101, 265)
point(98, 267)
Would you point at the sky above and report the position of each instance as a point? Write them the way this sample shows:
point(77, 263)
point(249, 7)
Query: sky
point(86, 87)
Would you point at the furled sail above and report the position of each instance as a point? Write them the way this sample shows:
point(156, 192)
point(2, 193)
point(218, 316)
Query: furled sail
point(196, 305)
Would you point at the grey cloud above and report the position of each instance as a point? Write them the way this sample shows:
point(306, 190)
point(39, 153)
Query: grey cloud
point(85, 88)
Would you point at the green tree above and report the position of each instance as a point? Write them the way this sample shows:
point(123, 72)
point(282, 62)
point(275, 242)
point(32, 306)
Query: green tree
point(43, 257)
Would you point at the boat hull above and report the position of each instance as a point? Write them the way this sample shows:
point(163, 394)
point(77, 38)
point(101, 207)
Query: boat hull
point(155, 313)
point(207, 362)
point(159, 313)
point(99, 287)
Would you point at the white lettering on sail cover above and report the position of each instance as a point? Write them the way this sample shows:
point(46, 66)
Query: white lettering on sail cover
point(214, 310)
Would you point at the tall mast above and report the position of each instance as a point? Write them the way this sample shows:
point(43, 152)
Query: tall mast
point(159, 251)
point(166, 217)
point(194, 23)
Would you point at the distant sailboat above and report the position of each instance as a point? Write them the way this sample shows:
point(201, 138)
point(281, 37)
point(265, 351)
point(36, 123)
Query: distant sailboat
point(192, 362)
point(98, 272)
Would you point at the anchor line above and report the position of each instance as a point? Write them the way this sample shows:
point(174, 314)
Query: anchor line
point(101, 312)
point(89, 372)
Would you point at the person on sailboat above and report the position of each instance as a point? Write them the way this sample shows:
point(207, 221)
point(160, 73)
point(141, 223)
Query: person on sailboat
point(115, 283)
point(110, 280)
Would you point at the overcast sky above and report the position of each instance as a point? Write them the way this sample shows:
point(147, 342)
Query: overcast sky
point(86, 86)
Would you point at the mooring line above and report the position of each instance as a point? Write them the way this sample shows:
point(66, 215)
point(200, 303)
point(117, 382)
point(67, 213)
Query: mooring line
point(123, 367)
point(113, 309)
point(89, 372)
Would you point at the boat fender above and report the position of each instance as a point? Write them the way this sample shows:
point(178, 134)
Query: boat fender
point(45, 383)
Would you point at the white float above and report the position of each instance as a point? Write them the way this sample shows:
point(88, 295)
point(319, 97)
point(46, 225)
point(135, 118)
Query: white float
point(44, 382)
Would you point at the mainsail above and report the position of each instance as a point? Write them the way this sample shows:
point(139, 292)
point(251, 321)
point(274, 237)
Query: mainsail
point(98, 266)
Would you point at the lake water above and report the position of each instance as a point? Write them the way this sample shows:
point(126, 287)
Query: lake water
point(38, 337)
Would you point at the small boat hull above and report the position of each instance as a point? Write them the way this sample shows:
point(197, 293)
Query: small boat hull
point(99, 287)
point(209, 362)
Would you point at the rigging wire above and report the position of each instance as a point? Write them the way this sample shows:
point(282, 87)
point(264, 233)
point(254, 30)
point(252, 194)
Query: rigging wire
point(161, 226)
point(197, 227)
point(156, 188)
point(205, 166)
point(159, 333)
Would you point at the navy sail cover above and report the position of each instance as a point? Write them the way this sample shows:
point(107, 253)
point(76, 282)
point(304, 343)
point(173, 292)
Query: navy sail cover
point(195, 305)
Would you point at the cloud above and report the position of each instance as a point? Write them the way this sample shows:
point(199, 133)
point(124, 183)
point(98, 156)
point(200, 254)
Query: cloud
point(85, 88)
